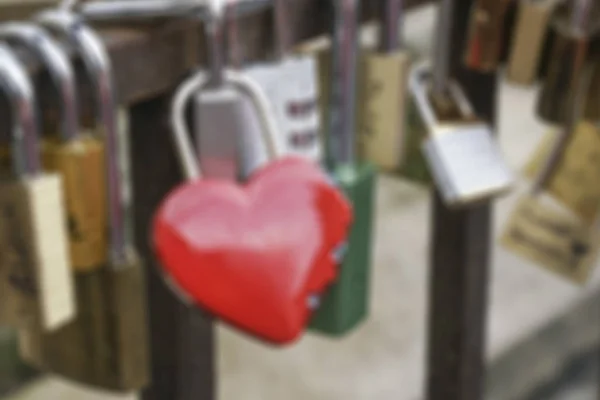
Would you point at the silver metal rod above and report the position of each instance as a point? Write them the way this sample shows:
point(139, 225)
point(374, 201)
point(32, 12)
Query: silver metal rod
point(128, 10)
point(215, 36)
point(392, 26)
point(342, 130)
point(441, 48)
point(145, 9)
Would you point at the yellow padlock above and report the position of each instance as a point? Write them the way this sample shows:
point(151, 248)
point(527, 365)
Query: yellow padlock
point(530, 33)
point(383, 87)
point(80, 161)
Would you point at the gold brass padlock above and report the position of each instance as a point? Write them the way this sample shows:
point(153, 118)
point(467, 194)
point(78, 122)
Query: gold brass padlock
point(569, 55)
point(383, 85)
point(80, 160)
point(574, 183)
point(556, 225)
point(106, 346)
point(34, 259)
point(530, 34)
point(555, 229)
point(485, 35)
point(553, 239)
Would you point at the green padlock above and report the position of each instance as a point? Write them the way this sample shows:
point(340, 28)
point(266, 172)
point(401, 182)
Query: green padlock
point(346, 303)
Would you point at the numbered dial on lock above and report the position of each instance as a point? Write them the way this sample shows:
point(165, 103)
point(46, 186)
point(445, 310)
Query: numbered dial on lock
point(292, 90)
point(255, 255)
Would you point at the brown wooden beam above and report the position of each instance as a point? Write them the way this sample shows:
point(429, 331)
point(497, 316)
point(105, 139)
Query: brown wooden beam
point(149, 59)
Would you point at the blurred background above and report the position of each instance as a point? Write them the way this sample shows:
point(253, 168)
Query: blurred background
point(543, 332)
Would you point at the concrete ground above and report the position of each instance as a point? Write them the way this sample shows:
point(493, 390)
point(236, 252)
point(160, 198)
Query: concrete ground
point(384, 359)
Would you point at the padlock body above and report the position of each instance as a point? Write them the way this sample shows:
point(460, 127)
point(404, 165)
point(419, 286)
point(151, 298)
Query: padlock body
point(466, 163)
point(574, 181)
point(485, 35)
point(33, 225)
point(529, 35)
point(216, 132)
point(543, 233)
point(106, 346)
point(424, 109)
point(569, 49)
point(346, 304)
point(81, 164)
point(228, 134)
point(383, 86)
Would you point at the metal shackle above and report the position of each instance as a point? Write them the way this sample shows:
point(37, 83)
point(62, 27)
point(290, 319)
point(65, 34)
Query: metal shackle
point(98, 68)
point(192, 85)
point(53, 58)
point(21, 96)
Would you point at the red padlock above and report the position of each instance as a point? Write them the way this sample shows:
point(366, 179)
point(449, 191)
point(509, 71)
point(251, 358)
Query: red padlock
point(257, 254)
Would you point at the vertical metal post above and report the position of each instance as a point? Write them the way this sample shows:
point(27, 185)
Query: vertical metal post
point(460, 260)
point(182, 340)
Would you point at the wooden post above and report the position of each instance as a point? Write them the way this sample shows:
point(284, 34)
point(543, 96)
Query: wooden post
point(460, 262)
point(181, 339)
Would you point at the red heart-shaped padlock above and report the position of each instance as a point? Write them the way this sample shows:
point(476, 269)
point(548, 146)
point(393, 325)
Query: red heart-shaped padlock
point(253, 255)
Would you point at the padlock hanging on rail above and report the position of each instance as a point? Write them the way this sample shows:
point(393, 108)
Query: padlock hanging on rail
point(570, 50)
point(528, 39)
point(227, 128)
point(221, 128)
point(463, 157)
point(384, 92)
point(485, 35)
point(346, 304)
point(547, 227)
point(257, 256)
point(106, 346)
point(34, 257)
point(70, 153)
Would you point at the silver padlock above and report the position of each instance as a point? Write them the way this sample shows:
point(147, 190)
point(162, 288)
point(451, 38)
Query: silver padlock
point(463, 156)
point(461, 152)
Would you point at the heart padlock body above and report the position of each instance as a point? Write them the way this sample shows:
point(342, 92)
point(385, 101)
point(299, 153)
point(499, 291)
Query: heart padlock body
point(255, 255)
